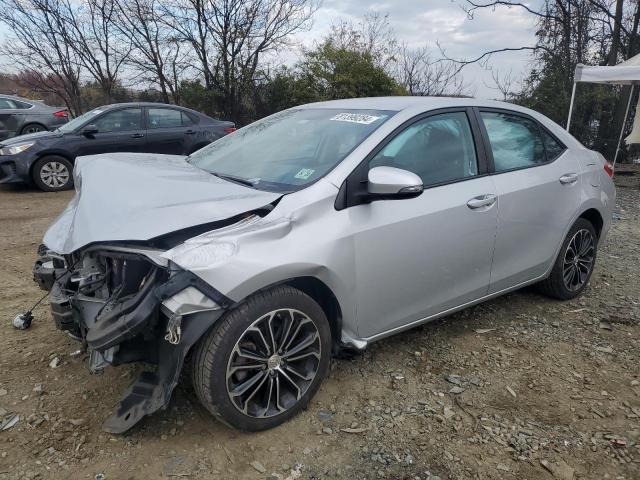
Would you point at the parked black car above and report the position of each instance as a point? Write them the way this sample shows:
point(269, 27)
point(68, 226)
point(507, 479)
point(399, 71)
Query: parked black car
point(21, 115)
point(46, 158)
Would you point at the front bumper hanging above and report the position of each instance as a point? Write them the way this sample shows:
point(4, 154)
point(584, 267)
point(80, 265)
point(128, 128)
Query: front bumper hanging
point(133, 330)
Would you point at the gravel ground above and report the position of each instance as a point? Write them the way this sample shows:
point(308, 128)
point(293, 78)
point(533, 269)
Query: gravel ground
point(521, 387)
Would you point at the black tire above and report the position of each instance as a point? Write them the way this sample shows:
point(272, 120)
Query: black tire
point(32, 128)
point(215, 353)
point(556, 285)
point(60, 170)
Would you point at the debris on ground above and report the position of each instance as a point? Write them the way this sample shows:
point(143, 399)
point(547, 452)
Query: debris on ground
point(522, 386)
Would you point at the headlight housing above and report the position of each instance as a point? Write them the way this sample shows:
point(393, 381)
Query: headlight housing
point(15, 149)
point(193, 255)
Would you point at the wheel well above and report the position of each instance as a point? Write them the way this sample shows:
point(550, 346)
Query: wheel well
point(594, 217)
point(323, 295)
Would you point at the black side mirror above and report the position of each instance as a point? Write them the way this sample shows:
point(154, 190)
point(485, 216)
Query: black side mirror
point(90, 130)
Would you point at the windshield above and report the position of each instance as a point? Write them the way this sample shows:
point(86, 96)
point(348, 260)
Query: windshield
point(291, 149)
point(76, 122)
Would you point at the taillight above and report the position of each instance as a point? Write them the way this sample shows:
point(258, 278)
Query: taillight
point(61, 114)
point(229, 130)
point(608, 167)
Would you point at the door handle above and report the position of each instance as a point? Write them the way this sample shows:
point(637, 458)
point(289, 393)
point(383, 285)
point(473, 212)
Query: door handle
point(481, 201)
point(137, 135)
point(568, 178)
point(190, 132)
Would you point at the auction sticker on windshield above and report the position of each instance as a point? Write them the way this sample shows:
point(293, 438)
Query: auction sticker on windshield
point(305, 173)
point(355, 118)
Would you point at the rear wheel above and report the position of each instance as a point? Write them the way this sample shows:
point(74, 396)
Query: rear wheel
point(574, 265)
point(264, 360)
point(32, 128)
point(53, 173)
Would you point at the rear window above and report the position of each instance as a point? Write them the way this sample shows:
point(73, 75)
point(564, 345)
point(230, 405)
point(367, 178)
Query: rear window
point(553, 146)
point(515, 141)
point(164, 118)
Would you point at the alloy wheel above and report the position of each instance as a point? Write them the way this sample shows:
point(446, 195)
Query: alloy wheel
point(54, 174)
point(33, 129)
point(273, 363)
point(578, 260)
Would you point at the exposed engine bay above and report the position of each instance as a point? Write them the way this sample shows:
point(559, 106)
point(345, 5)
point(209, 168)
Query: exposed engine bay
point(129, 305)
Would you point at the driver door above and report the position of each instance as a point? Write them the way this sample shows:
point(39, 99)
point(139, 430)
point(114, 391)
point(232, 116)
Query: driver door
point(422, 256)
point(118, 131)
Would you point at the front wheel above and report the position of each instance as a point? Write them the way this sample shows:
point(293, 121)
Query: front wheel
point(574, 265)
point(53, 173)
point(264, 360)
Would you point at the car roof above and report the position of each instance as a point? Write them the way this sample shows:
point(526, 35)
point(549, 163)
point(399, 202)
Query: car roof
point(155, 105)
point(22, 99)
point(146, 104)
point(404, 102)
point(425, 104)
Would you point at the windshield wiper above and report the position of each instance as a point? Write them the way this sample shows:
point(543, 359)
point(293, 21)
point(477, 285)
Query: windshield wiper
point(233, 178)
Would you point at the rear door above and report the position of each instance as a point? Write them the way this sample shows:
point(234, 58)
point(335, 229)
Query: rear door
point(119, 130)
point(9, 120)
point(536, 181)
point(169, 131)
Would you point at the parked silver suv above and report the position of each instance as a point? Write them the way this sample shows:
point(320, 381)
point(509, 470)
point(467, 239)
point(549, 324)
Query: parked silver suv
point(322, 227)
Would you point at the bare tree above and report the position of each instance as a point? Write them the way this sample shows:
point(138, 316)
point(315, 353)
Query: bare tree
point(229, 37)
point(157, 57)
point(421, 74)
point(38, 44)
point(372, 34)
point(504, 84)
point(91, 32)
point(415, 69)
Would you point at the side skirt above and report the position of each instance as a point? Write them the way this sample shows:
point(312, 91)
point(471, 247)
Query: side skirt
point(363, 342)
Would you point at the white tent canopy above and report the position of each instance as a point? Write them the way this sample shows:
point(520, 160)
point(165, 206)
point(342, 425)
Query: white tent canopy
point(625, 73)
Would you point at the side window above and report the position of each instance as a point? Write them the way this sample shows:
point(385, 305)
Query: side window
point(438, 149)
point(554, 147)
point(6, 104)
point(515, 141)
point(186, 120)
point(120, 120)
point(21, 105)
point(164, 118)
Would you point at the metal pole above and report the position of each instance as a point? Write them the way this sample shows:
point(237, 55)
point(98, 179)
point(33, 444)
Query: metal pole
point(624, 122)
point(573, 96)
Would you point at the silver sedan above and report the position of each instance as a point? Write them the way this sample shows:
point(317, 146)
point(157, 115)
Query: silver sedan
point(323, 227)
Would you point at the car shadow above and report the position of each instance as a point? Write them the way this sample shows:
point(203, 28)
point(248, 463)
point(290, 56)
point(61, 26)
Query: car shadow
point(18, 188)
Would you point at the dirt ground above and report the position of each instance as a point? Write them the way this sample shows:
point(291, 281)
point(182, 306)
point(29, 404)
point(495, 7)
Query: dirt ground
point(521, 387)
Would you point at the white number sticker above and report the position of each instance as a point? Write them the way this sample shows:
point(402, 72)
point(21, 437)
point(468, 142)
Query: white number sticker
point(355, 118)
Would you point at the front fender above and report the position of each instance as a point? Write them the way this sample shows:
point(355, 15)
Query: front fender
point(242, 259)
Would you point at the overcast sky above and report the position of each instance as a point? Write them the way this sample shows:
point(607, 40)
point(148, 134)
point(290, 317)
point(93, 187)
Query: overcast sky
point(424, 22)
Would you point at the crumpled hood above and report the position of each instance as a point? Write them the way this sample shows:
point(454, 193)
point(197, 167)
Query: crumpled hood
point(136, 196)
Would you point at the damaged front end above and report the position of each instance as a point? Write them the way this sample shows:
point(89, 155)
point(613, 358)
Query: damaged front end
point(129, 304)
